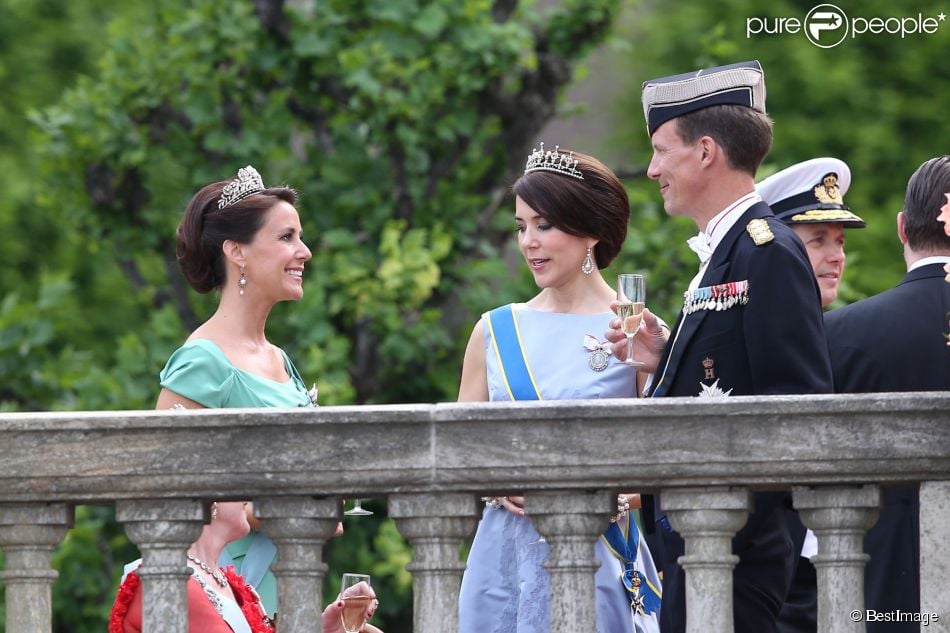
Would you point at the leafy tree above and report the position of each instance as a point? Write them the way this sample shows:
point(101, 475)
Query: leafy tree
point(43, 46)
point(400, 121)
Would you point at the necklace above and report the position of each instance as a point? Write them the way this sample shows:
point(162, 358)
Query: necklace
point(217, 574)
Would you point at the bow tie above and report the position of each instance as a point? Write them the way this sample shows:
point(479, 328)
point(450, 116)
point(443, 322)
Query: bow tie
point(699, 244)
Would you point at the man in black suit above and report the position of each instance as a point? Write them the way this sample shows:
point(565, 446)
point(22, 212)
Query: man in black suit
point(895, 341)
point(751, 321)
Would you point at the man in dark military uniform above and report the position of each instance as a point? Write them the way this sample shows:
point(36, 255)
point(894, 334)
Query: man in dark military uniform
point(895, 341)
point(809, 197)
point(751, 321)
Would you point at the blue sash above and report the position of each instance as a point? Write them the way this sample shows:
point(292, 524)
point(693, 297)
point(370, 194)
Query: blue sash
point(506, 341)
point(644, 593)
point(256, 560)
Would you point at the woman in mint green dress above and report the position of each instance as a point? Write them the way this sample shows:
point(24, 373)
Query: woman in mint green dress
point(245, 241)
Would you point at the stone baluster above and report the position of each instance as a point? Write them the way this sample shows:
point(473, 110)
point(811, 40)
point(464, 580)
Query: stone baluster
point(839, 516)
point(28, 534)
point(299, 526)
point(163, 530)
point(571, 522)
point(708, 519)
point(934, 536)
point(435, 525)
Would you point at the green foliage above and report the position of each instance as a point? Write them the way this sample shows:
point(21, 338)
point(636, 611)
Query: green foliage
point(56, 340)
point(400, 122)
point(656, 247)
point(391, 118)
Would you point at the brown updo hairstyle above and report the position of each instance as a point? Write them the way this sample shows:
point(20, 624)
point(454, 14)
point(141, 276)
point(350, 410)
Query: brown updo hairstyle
point(204, 229)
point(596, 206)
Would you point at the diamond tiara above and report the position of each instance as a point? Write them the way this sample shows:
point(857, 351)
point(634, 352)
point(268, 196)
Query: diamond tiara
point(540, 160)
point(247, 183)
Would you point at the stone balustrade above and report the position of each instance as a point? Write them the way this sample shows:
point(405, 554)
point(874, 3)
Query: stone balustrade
point(161, 468)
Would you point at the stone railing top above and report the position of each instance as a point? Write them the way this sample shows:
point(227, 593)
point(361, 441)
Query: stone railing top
point(484, 447)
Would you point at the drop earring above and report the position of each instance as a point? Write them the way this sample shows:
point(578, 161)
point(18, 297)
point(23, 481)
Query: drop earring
point(588, 266)
point(214, 511)
point(242, 282)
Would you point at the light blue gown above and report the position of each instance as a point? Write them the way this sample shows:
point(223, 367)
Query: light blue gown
point(505, 588)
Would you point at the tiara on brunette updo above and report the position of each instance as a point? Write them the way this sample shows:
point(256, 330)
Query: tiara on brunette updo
point(556, 161)
point(247, 183)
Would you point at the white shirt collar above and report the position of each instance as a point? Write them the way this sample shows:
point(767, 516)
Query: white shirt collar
point(720, 224)
point(926, 261)
point(706, 241)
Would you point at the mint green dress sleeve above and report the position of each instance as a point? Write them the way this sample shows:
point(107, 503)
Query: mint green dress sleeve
point(200, 371)
point(201, 374)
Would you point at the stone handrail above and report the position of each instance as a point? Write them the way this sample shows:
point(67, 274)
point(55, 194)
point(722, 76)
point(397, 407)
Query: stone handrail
point(161, 468)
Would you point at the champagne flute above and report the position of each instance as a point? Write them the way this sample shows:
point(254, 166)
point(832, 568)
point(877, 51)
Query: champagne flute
point(631, 299)
point(355, 602)
point(358, 510)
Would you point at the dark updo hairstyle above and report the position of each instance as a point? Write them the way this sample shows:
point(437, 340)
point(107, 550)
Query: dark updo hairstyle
point(596, 206)
point(204, 229)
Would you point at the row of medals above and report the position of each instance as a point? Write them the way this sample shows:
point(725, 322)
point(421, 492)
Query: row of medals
point(693, 302)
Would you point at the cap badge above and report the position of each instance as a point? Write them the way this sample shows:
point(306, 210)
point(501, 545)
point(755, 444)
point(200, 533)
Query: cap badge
point(759, 231)
point(828, 191)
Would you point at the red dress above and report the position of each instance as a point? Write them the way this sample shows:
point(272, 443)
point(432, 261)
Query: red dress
point(126, 615)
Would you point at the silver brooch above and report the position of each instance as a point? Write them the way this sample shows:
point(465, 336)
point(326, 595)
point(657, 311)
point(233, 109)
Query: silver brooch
point(599, 352)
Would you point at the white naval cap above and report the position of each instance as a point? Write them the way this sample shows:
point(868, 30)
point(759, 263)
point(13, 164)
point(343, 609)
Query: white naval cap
point(810, 192)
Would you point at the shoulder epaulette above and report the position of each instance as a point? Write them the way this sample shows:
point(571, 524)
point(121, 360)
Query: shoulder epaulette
point(759, 231)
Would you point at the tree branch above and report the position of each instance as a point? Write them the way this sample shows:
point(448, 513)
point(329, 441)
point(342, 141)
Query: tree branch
point(397, 162)
point(501, 10)
point(363, 370)
point(272, 17)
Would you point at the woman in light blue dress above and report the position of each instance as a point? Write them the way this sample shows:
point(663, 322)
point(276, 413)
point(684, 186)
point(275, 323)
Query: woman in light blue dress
point(571, 213)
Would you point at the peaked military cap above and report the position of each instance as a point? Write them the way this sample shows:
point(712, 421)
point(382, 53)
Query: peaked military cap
point(736, 84)
point(810, 192)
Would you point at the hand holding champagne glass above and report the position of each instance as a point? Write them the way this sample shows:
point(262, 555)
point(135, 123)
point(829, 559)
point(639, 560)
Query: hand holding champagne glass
point(357, 598)
point(631, 299)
